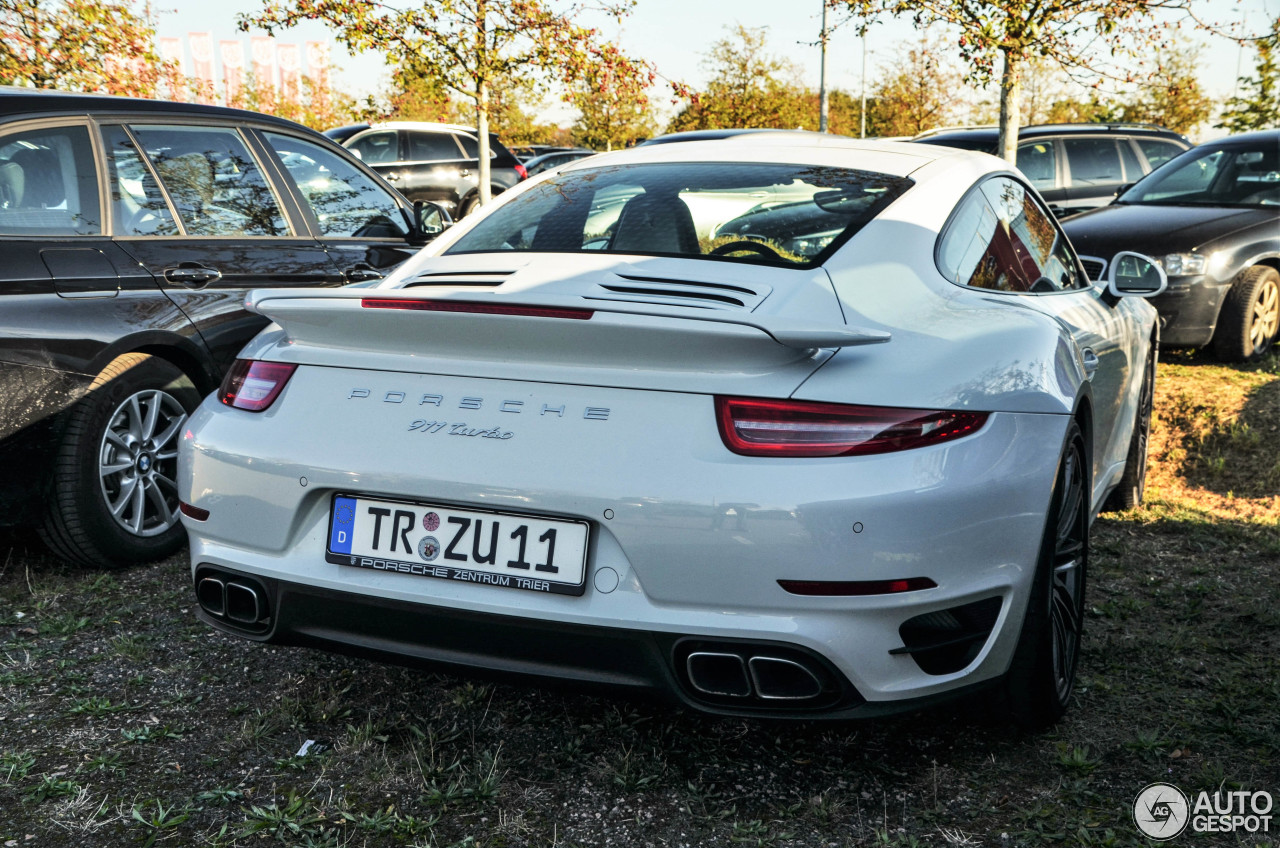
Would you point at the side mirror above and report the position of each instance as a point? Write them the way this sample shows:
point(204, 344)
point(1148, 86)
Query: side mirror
point(1123, 188)
point(429, 220)
point(1135, 275)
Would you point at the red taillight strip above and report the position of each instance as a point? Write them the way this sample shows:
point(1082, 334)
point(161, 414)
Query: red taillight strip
point(193, 511)
point(758, 427)
point(856, 587)
point(478, 308)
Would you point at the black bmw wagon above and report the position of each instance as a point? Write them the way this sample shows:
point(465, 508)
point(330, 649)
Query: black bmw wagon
point(130, 231)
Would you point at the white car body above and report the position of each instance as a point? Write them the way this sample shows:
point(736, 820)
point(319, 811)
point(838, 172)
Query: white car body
point(611, 423)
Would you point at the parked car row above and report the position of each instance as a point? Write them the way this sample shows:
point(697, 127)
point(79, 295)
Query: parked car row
point(767, 423)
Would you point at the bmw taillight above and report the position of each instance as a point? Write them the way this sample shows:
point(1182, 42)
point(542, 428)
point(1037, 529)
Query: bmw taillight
point(252, 385)
point(755, 427)
point(520, 169)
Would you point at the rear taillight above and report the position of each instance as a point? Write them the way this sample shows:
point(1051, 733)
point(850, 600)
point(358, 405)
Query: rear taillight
point(253, 385)
point(753, 427)
point(520, 169)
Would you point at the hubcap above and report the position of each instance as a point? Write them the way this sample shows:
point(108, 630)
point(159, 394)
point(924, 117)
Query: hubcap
point(1070, 552)
point(1266, 316)
point(138, 462)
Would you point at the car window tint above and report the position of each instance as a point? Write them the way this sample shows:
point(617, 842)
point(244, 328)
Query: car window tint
point(1038, 162)
point(377, 148)
point(48, 183)
point(345, 201)
point(430, 147)
point(137, 204)
point(1001, 239)
point(1132, 168)
point(212, 181)
point(1093, 161)
point(471, 147)
point(1157, 152)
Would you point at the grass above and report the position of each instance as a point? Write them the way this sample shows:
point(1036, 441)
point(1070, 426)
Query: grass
point(126, 722)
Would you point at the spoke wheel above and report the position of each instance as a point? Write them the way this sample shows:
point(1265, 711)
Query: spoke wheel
point(113, 493)
point(1042, 675)
point(1249, 323)
point(138, 462)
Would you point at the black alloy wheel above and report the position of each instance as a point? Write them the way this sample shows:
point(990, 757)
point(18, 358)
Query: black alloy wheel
point(1042, 675)
point(1133, 484)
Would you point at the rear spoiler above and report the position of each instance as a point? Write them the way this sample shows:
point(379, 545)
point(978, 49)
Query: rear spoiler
point(278, 304)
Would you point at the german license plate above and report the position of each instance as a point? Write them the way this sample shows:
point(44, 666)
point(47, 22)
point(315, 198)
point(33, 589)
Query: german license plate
point(431, 540)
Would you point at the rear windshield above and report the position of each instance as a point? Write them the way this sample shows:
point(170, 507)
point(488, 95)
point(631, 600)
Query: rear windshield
point(788, 215)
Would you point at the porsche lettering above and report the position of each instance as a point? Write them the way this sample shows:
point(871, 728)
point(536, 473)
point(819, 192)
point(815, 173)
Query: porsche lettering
point(513, 407)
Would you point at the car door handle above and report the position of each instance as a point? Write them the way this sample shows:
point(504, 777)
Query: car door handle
point(1090, 360)
point(192, 275)
point(361, 275)
point(465, 172)
point(393, 177)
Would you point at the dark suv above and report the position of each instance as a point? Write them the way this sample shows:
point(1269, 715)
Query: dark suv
point(1075, 167)
point(435, 162)
point(130, 231)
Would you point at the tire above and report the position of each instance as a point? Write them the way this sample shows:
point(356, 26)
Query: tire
point(469, 204)
point(1128, 494)
point(1041, 676)
point(119, 449)
point(1250, 319)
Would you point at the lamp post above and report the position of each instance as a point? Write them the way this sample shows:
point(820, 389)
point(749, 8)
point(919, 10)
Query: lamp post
point(823, 104)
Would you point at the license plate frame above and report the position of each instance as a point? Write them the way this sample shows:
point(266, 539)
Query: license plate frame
point(537, 577)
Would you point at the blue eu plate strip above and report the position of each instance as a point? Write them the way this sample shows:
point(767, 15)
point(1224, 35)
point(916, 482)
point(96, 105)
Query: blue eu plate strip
point(342, 525)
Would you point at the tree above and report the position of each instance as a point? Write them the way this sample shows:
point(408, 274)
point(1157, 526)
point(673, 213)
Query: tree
point(613, 105)
point(916, 93)
point(78, 45)
point(749, 87)
point(1173, 97)
point(467, 45)
point(1013, 32)
point(1259, 106)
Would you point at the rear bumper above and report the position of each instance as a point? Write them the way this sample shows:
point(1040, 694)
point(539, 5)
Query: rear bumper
point(687, 541)
point(650, 665)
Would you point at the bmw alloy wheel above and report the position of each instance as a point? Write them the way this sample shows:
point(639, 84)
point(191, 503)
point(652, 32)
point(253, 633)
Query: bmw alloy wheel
point(138, 462)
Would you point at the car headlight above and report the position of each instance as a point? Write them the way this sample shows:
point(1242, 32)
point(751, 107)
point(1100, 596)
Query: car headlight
point(1184, 264)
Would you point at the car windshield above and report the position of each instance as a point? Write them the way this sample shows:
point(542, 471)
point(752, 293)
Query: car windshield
point(1246, 175)
point(788, 215)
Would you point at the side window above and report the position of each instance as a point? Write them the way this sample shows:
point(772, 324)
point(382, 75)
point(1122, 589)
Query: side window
point(1001, 239)
point(1093, 161)
point(137, 204)
point(345, 201)
point(1157, 152)
point(377, 148)
point(212, 181)
point(432, 147)
point(1038, 161)
point(48, 183)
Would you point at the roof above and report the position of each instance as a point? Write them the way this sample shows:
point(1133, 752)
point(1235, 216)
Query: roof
point(897, 158)
point(23, 102)
point(993, 132)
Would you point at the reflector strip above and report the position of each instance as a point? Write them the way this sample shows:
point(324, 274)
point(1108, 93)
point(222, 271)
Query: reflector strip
point(856, 587)
point(477, 308)
point(193, 511)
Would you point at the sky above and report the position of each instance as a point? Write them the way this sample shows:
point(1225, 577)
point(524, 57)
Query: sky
point(676, 34)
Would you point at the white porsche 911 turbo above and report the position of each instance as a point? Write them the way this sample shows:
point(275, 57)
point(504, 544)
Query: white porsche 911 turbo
point(783, 424)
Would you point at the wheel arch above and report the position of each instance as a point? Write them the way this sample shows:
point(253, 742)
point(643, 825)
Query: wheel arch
point(183, 353)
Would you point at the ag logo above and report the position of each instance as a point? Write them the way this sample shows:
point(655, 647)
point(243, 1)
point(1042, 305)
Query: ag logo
point(1161, 811)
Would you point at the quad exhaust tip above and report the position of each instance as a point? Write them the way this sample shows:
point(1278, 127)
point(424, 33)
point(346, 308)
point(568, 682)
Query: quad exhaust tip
point(236, 601)
point(769, 678)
